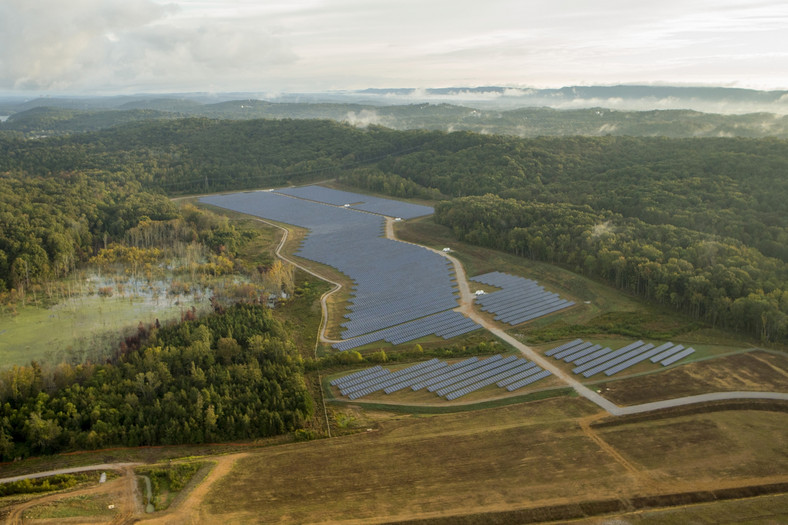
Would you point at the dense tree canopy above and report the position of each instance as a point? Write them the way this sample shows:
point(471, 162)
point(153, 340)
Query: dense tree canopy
point(712, 278)
point(234, 375)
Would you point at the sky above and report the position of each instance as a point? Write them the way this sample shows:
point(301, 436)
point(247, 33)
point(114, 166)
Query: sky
point(277, 46)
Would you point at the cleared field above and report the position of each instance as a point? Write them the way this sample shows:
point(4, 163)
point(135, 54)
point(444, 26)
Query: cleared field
point(514, 457)
point(752, 371)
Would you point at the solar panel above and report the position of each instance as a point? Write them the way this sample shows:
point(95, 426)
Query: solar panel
point(606, 357)
point(592, 356)
point(483, 383)
point(528, 380)
point(389, 207)
point(527, 371)
point(519, 300)
point(667, 353)
point(487, 364)
point(363, 379)
point(563, 347)
point(681, 355)
point(394, 282)
point(571, 350)
point(615, 361)
point(355, 375)
point(637, 359)
point(581, 353)
point(379, 380)
point(451, 371)
point(501, 369)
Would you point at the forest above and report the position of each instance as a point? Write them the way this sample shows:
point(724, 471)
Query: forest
point(719, 280)
point(231, 375)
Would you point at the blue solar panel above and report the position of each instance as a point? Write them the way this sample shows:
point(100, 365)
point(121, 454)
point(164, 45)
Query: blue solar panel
point(487, 381)
point(395, 283)
point(502, 366)
point(572, 350)
point(676, 357)
point(454, 370)
point(527, 371)
point(519, 299)
point(389, 207)
point(564, 346)
point(528, 380)
point(581, 353)
point(355, 375)
point(617, 360)
point(606, 357)
point(667, 353)
point(637, 359)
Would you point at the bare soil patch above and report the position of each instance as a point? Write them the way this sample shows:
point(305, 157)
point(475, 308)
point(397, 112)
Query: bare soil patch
point(528, 456)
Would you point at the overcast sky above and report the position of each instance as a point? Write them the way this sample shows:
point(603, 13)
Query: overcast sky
point(269, 46)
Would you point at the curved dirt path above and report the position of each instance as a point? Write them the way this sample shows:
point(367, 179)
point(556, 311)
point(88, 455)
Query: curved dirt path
point(190, 509)
point(323, 298)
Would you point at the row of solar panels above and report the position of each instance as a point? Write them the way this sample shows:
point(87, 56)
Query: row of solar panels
point(590, 359)
point(519, 300)
point(449, 381)
point(445, 324)
point(389, 207)
point(395, 283)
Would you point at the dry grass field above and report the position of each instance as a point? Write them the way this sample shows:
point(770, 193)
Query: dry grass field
point(527, 456)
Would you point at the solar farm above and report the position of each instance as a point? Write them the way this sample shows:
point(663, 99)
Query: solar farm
point(401, 292)
point(591, 359)
point(450, 381)
point(519, 299)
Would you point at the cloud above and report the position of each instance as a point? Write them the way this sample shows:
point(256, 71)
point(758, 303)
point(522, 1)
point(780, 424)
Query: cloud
point(367, 117)
point(117, 44)
point(316, 45)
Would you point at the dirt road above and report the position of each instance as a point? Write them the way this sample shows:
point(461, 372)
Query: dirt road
point(73, 470)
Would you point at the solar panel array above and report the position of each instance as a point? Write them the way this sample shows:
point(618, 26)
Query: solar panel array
point(449, 381)
point(398, 287)
point(519, 299)
point(389, 207)
point(445, 324)
point(590, 359)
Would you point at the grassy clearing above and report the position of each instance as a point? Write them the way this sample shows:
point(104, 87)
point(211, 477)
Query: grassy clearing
point(510, 457)
point(77, 328)
point(84, 506)
point(168, 481)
